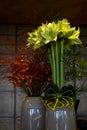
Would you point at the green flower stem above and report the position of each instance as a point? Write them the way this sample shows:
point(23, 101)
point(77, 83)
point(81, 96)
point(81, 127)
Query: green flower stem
point(53, 62)
point(57, 55)
point(62, 80)
point(57, 64)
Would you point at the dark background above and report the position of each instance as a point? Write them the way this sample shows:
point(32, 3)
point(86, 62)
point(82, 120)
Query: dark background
point(37, 11)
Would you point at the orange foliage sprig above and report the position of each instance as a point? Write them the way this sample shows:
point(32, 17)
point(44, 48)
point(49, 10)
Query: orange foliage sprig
point(31, 71)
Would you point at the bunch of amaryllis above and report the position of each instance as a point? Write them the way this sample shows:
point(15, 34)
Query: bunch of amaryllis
point(57, 37)
point(29, 72)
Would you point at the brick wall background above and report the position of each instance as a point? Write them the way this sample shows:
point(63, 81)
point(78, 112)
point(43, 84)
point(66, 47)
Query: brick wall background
point(11, 37)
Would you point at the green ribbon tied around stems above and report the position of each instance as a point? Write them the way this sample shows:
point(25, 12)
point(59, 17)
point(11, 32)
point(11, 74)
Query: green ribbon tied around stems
point(59, 103)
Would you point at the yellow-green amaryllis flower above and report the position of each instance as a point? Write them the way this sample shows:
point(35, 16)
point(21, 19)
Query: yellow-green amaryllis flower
point(65, 31)
point(34, 39)
point(49, 32)
point(43, 35)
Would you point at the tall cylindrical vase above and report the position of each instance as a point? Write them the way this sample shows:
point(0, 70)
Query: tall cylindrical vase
point(33, 114)
point(60, 119)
